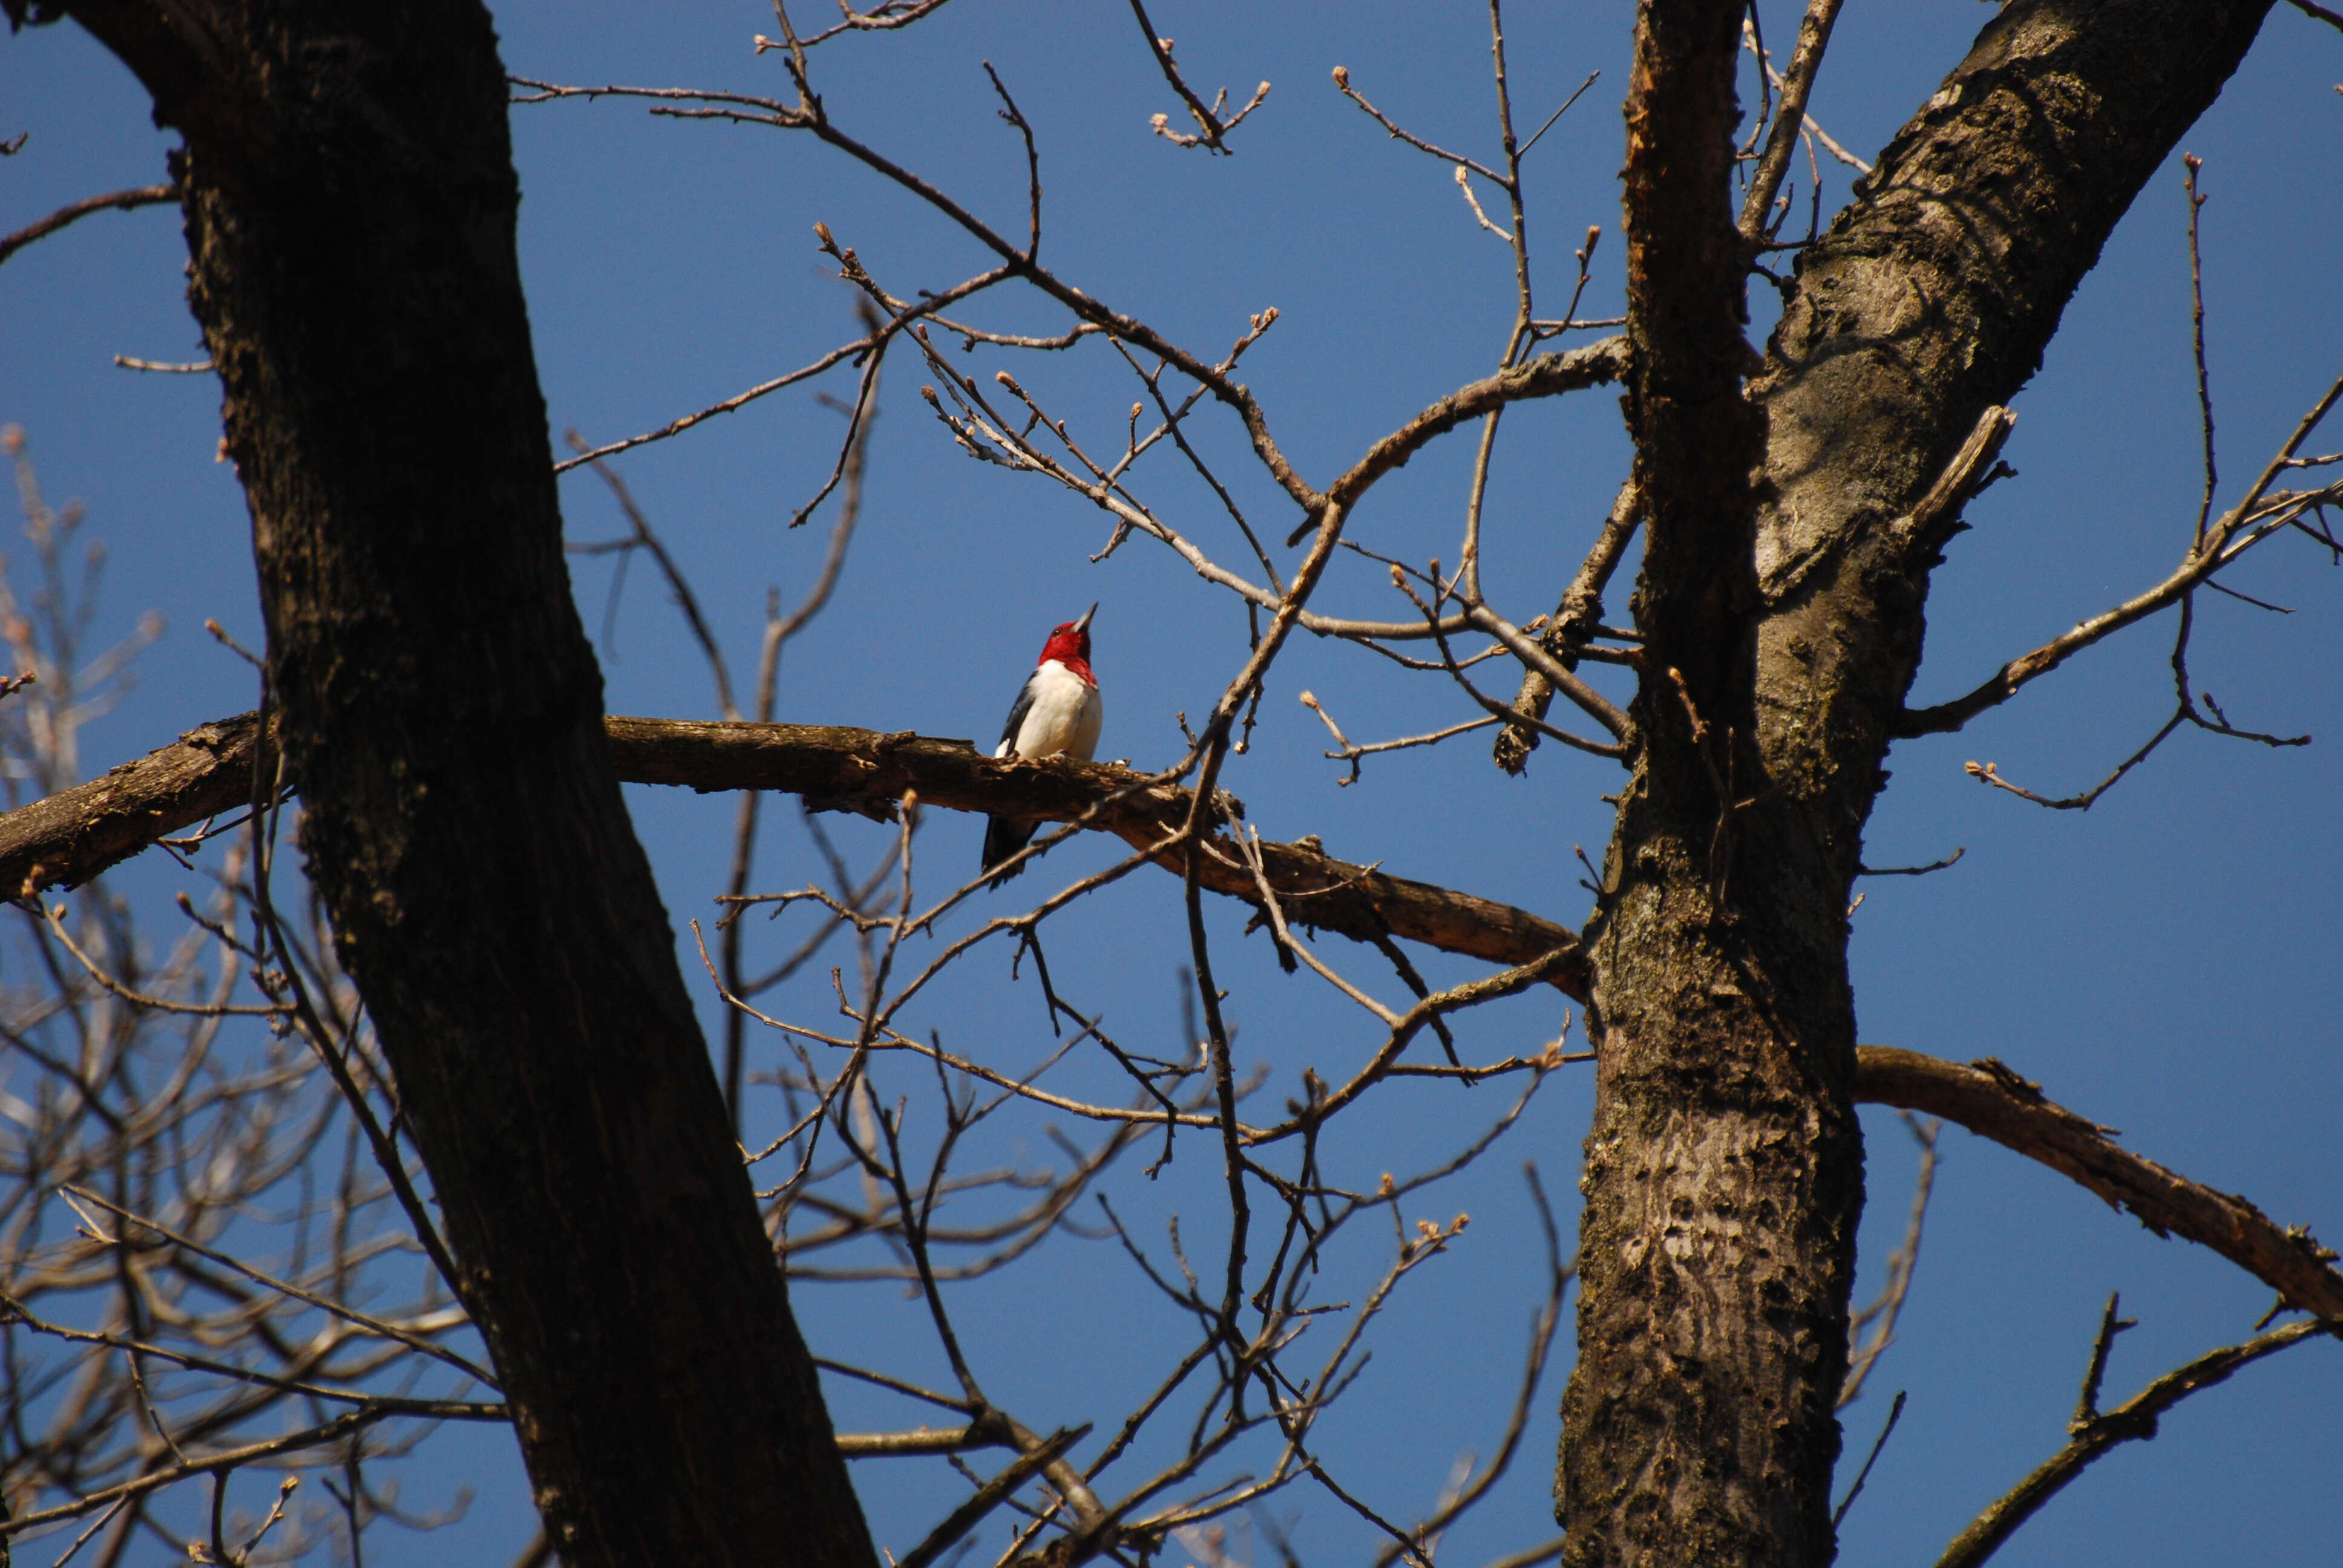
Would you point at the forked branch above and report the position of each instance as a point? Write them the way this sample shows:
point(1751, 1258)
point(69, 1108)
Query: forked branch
point(1211, 128)
point(2096, 1432)
point(2262, 513)
point(1790, 118)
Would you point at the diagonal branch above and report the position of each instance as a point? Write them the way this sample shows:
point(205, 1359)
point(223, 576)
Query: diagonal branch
point(63, 839)
point(227, 1460)
point(2093, 1434)
point(1797, 86)
point(1993, 1101)
point(142, 196)
point(1576, 620)
point(1343, 85)
point(1543, 376)
point(2258, 517)
point(1211, 127)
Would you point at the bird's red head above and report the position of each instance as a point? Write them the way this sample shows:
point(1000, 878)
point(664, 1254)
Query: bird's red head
point(1070, 645)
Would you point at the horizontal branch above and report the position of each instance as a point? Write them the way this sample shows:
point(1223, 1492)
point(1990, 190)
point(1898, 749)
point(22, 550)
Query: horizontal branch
point(73, 836)
point(859, 770)
point(851, 1444)
point(925, 1441)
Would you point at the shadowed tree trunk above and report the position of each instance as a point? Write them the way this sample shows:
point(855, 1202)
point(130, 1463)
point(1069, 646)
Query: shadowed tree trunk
point(1723, 1172)
point(351, 203)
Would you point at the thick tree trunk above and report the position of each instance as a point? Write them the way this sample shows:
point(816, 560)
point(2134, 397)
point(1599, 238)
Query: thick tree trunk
point(351, 203)
point(1723, 1172)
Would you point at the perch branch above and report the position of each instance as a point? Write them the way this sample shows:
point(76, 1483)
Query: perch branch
point(72, 836)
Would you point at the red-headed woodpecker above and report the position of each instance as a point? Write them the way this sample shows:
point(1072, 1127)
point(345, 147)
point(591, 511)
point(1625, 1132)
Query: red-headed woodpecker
point(1057, 714)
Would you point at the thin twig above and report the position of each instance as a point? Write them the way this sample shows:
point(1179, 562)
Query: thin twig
point(1894, 1414)
point(2134, 1421)
point(73, 212)
point(1210, 128)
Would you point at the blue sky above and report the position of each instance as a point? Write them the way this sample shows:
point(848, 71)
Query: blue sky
point(2163, 963)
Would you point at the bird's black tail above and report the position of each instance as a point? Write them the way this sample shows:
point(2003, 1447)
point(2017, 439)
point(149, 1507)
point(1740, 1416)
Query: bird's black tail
point(1003, 837)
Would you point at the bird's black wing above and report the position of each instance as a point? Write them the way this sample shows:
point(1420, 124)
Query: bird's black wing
point(1016, 712)
point(1004, 836)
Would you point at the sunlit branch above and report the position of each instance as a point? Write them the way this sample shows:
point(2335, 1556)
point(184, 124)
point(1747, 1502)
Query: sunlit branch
point(2096, 1432)
point(2261, 514)
point(1790, 117)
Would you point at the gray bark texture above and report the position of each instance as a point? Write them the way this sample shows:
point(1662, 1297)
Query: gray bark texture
point(1783, 622)
point(350, 204)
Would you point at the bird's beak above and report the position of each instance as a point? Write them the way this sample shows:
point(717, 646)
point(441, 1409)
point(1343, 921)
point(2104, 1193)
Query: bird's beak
point(1084, 624)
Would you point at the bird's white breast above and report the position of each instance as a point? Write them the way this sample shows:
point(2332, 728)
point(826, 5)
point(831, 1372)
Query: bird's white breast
point(1065, 717)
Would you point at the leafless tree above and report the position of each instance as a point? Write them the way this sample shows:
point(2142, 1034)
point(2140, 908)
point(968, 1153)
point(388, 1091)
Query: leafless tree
point(489, 1012)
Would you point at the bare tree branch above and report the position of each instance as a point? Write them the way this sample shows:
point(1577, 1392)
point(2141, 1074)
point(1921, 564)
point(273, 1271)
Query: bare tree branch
point(1790, 117)
point(1993, 1101)
point(2095, 1432)
point(1210, 128)
point(1880, 1316)
point(65, 839)
point(142, 196)
point(71, 836)
point(2262, 513)
point(1576, 621)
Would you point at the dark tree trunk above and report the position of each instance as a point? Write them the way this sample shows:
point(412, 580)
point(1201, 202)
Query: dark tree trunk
point(351, 203)
point(1723, 1172)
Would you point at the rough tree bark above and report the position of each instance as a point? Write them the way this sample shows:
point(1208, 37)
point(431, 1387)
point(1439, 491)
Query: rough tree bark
point(350, 205)
point(1724, 1171)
